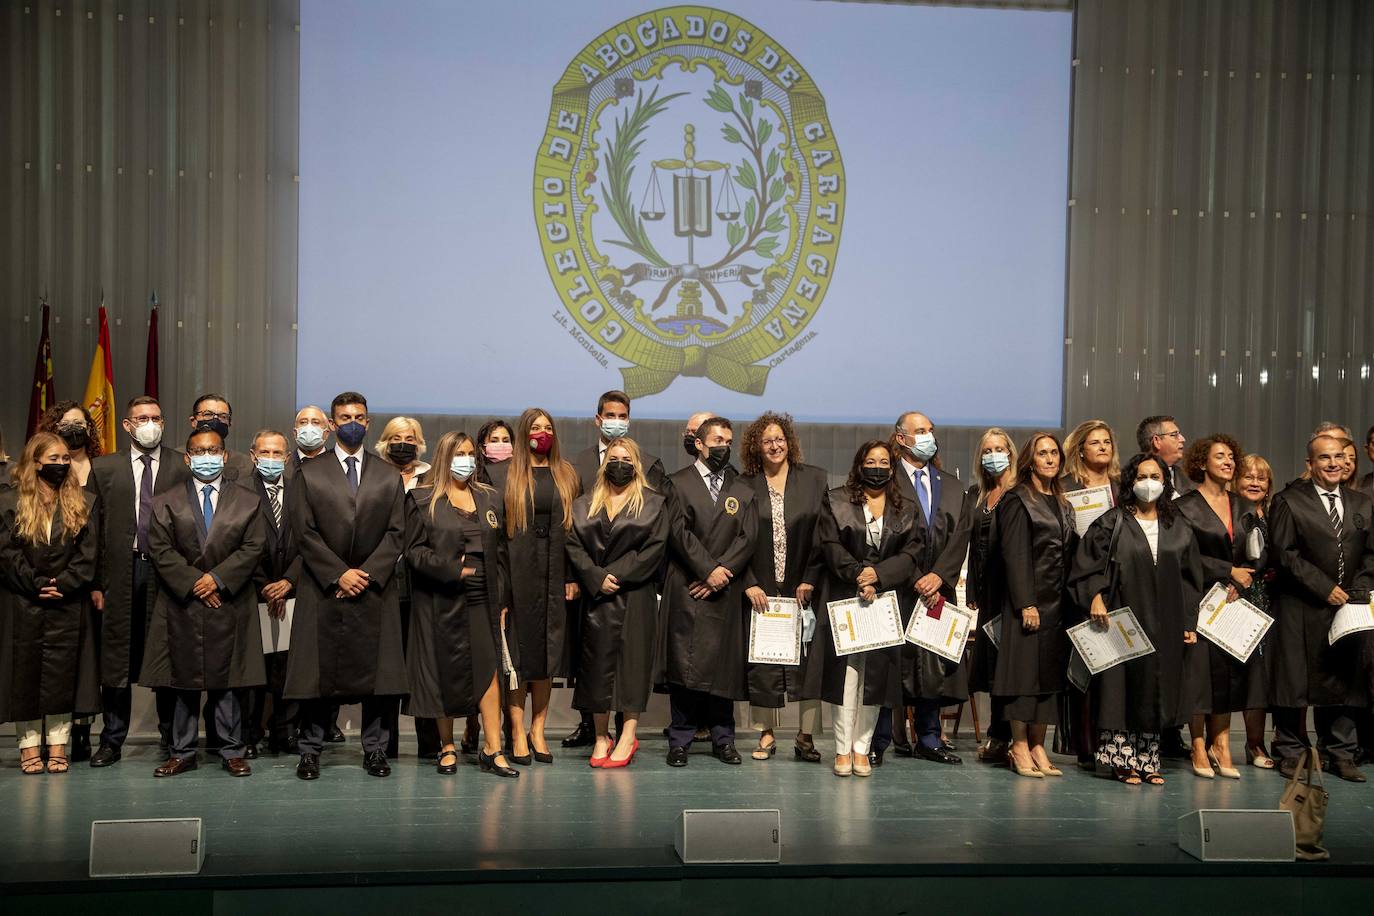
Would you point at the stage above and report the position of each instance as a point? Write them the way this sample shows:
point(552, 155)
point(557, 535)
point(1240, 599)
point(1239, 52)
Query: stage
point(915, 836)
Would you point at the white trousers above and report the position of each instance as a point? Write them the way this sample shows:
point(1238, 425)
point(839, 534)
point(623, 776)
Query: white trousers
point(30, 734)
point(854, 722)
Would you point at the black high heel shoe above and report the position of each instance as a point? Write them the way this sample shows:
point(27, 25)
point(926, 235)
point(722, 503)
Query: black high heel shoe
point(806, 750)
point(542, 758)
point(523, 760)
point(487, 764)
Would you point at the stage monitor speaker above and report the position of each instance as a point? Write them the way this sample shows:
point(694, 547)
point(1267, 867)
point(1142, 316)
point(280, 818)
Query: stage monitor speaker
point(153, 846)
point(722, 836)
point(1247, 835)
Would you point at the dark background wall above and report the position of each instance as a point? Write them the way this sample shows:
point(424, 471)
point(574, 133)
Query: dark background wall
point(1221, 253)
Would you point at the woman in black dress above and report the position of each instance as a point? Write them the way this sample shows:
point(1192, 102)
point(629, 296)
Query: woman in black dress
point(539, 494)
point(616, 547)
point(785, 565)
point(1221, 521)
point(460, 591)
point(1255, 482)
point(48, 528)
point(870, 543)
point(995, 473)
point(1036, 541)
point(1141, 555)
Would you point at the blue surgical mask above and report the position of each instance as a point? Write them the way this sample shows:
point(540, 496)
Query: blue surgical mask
point(996, 462)
point(207, 467)
point(309, 438)
point(270, 468)
point(615, 429)
point(462, 466)
point(924, 448)
point(351, 434)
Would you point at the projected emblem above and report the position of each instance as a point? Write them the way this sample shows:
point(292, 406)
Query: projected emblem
point(689, 196)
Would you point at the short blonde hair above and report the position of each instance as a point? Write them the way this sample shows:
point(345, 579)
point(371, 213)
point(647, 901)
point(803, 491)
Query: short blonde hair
point(397, 427)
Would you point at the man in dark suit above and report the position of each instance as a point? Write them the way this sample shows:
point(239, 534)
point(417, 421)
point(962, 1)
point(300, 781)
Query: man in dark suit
point(347, 511)
point(213, 412)
point(1366, 484)
point(275, 585)
point(126, 483)
point(207, 540)
point(312, 436)
point(711, 543)
point(612, 421)
point(1322, 536)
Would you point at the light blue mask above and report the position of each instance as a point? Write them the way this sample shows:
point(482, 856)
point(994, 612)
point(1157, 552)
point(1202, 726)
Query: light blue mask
point(309, 437)
point(207, 467)
point(996, 462)
point(270, 468)
point(924, 448)
point(462, 466)
point(615, 429)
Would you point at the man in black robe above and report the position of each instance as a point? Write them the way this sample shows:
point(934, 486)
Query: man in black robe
point(1322, 537)
point(126, 482)
point(347, 509)
point(206, 538)
point(213, 412)
point(711, 542)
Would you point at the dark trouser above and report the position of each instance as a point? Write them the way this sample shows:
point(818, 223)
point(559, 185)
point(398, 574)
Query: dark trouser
point(228, 719)
point(118, 703)
point(315, 720)
point(1335, 726)
point(927, 723)
point(427, 743)
point(885, 734)
point(999, 729)
point(590, 723)
point(692, 709)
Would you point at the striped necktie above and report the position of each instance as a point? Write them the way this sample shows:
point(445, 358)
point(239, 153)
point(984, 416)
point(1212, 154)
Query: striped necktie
point(274, 497)
point(715, 480)
point(1336, 526)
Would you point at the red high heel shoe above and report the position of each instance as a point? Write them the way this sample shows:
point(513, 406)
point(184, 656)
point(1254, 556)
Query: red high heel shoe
point(597, 763)
point(611, 764)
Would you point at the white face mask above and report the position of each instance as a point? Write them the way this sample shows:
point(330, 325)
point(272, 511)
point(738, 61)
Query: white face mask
point(309, 437)
point(148, 435)
point(1147, 490)
point(462, 466)
point(615, 429)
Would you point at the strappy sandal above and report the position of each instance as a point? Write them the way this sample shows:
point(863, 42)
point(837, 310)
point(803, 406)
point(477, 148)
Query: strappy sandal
point(764, 751)
point(1126, 777)
point(57, 763)
point(32, 766)
point(1154, 779)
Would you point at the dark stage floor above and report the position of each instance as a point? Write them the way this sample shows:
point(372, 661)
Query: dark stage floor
point(569, 823)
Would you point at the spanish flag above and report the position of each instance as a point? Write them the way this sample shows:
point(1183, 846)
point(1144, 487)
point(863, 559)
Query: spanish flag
point(100, 398)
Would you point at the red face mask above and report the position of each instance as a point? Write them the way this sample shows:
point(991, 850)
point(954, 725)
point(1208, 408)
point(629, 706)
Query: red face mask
point(541, 442)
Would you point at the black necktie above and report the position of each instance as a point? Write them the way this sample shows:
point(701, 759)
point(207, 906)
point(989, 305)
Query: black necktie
point(352, 475)
point(145, 502)
point(1336, 526)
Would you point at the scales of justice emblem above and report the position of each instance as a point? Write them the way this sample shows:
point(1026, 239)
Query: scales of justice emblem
point(689, 197)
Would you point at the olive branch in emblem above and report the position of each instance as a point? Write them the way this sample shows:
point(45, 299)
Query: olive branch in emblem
point(762, 211)
point(621, 152)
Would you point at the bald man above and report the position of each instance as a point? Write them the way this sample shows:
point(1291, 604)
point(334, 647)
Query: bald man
point(311, 432)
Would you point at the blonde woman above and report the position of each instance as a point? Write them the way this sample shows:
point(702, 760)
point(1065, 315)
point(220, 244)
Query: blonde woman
point(539, 493)
point(616, 546)
point(460, 584)
point(1090, 458)
point(48, 531)
point(401, 444)
point(1254, 481)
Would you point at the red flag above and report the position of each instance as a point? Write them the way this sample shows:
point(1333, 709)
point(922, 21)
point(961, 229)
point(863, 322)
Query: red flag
point(100, 398)
point(150, 371)
point(41, 397)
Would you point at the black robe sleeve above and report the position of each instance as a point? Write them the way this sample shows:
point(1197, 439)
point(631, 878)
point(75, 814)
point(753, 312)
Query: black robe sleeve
point(15, 567)
point(420, 555)
point(951, 560)
point(323, 563)
point(685, 542)
point(1284, 532)
point(1018, 560)
point(381, 563)
point(899, 570)
point(741, 550)
point(177, 575)
point(1090, 574)
point(832, 549)
point(641, 565)
point(583, 566)
point(235, 572)
point(1194, 583)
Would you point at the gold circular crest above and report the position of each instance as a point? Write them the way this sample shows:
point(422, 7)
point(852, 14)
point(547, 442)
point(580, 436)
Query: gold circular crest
point(731, 505)
point(491, 518)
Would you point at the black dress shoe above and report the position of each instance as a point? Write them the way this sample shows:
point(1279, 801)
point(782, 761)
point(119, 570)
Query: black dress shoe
point(875, 758)
point(237, 766)
point(726, 753)
point(335, 736)
point(937, 754)
point(677, 756)
point(250, 752)
point(903, 750)
point(105, 755)
point(309, 767)
point(175, 766)
point(488, 764)
point(375, 764)
point(1346, 770)
point(582, 736)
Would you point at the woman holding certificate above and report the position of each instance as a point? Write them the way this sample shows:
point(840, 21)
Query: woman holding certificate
point(1090, 458)
point(1036, 541)
point(996, 474)
point(870, 543)
point(616, 546)
point(1222, 521)
point(1255, 481)
point(1141, 555)
point(785, 565)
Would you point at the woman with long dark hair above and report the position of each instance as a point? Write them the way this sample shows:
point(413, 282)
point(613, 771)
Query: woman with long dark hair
point(495, 446)
point(48, 533)
point(539, 493)
point(1141, 555)
point(1036, 542)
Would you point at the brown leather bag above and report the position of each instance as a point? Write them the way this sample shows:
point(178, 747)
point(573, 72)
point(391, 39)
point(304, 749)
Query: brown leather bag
point(1307, 800)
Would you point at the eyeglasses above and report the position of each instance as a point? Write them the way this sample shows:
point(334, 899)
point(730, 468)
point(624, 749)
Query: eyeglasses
point(1176, 434)
point(143, 421)
point(211, 415)
point(212, 450)
point(769, 443)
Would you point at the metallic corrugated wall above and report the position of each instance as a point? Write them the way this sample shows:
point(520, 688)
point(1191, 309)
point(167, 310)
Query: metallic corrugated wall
point(150, 145)
point(1221, 259)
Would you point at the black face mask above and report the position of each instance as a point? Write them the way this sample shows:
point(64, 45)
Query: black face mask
point(875, 478)
point(689, 444)
point(76, 435)
point(717, 458)
point(619, 472)
point(55, 474)
point(402, 453)
point(214, 425)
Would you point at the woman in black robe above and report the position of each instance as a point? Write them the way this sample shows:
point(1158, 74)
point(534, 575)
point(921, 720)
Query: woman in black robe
point(870, 543)
point(1221, 521)
point(460, 590)
point(616, 547)
point(996, 475)
point(1255, 482)
point(785, 564)
point(539, 493)
point(1036, 541)
point(1141, 555)
point(48, 526)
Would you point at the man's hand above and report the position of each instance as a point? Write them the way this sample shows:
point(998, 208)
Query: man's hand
point(205, 587)
point(804, 592)
point(276, 609)
point(610, 585)
point(719, 578)
point(353, 583)
point(928, 586)
point(699, 590)
point(1030, 619)
point(1337, 597)
point(867, 576)
point(276, 591)
point(98, 600)
point(570, 591)
point(758, 598)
